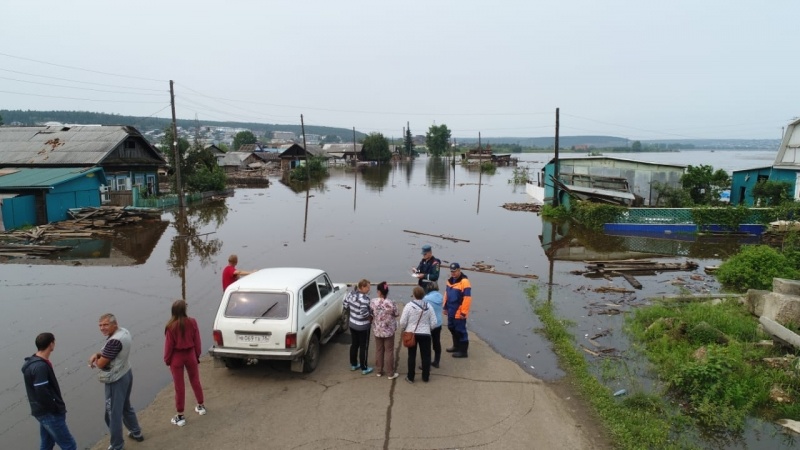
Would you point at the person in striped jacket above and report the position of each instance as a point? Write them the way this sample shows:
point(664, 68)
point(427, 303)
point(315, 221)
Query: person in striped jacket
point(357, 303)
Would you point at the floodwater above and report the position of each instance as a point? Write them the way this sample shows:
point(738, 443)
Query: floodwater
point(355, 224)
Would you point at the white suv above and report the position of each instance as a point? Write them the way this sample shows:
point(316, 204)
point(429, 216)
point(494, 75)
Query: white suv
point(280, 313)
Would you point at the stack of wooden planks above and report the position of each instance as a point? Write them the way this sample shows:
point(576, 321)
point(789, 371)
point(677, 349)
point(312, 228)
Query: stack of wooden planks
point(629, 267)
point(86, 223)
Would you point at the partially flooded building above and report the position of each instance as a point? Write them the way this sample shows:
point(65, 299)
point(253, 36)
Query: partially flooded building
point(786, 167)
point(605, 179)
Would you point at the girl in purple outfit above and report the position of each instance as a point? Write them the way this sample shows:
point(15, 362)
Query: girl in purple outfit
point(384, 325)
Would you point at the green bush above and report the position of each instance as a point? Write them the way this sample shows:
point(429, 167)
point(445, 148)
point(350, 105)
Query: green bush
point(204, 180)
point(316, 170)
point(594, 215)
point(754, 268)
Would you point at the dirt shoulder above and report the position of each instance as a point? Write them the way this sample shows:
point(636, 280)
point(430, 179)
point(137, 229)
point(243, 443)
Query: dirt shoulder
point(482, 401)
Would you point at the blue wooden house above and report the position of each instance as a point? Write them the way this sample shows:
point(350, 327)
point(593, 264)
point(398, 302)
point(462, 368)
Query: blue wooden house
point(35, 196)
point(127, 158)
point(786, 167)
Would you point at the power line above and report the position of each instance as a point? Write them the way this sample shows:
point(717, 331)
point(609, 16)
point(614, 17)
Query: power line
point(82, 69)
point(366, 112)
point(82, 82)
point(79, 88)
point(75, 98)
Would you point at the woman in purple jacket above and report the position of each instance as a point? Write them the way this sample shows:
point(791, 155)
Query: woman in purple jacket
point(182, 349)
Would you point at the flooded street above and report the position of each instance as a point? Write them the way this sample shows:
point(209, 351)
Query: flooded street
point(355, 226)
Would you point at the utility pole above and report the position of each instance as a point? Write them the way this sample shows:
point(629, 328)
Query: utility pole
point(176, 146)
point(556, 167)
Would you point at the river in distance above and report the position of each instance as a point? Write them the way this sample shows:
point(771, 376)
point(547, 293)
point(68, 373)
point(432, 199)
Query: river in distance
point(368, 224)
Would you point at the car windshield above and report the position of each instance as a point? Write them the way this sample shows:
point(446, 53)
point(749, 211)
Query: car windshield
point(265, 305)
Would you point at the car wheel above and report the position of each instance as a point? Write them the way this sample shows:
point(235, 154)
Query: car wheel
point(311, 357)
point(234, 363)
point(344, 322)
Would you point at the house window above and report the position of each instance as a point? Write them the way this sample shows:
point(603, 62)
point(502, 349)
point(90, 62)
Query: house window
point(130, 143)
point(139, 180)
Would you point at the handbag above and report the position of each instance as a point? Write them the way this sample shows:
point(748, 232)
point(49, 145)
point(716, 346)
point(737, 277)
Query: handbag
point(409, 339)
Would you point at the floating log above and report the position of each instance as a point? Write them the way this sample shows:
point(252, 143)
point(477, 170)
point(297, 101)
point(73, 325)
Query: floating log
point(513, 275)
point(631, 280)
point(620, 290)
point(449, 238)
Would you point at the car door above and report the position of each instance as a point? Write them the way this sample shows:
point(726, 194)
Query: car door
point(330, 302)
point(311, 311)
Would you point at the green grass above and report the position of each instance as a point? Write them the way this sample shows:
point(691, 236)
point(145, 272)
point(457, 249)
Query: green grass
point(705, 355)
point(634, 422)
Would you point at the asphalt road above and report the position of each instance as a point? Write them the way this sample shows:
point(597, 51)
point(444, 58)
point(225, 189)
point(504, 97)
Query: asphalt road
point(483, 401)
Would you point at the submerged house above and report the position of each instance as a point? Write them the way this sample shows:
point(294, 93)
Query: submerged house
point(36, 196)
point(126, 157)
point(605, 179)
point(786, 167)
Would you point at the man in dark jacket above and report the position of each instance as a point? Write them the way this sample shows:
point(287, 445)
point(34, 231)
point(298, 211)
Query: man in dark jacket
point(428, 268)
point(44, 396)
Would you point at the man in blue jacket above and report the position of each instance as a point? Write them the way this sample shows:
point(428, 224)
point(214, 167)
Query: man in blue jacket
point(44, 395)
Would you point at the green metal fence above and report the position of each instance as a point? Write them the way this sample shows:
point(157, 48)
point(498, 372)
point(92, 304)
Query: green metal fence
point(680, 216)
point(169, 201)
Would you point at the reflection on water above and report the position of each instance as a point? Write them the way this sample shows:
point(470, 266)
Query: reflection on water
point(129, 246)
point(189, 243)
point(437, 173)
point(572, 242)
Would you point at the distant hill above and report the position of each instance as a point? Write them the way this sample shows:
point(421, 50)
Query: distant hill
point(620, 143)
point(151, 123)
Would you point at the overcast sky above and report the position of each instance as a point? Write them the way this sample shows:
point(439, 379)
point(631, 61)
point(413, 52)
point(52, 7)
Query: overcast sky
point(628, 68)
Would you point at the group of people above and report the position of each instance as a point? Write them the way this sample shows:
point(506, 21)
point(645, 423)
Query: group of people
point(422, 316)
point(182, 349)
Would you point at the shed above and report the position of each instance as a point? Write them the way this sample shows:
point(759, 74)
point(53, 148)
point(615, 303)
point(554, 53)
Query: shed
point(600, 173)
point(232, 162)
point(35, 196)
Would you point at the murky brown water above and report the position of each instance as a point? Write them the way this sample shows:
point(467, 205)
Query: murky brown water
point(354, 227)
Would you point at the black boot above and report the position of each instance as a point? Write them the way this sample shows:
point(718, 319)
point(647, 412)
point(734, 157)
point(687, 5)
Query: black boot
point(462, 351)
point(454, 348)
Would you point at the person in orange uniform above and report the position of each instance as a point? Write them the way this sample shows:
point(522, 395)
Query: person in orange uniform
point(457, 300)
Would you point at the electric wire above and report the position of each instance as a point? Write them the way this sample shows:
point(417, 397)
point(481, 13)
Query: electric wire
point(83, 82)
point(81, 69)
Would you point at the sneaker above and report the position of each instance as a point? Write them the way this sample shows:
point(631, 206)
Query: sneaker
point(200, 409)
point(178, 420)
point(367, 371)
point(393, 376)
point(353, 367)
point(379, 374)
point(409, 381)
point(137, 438)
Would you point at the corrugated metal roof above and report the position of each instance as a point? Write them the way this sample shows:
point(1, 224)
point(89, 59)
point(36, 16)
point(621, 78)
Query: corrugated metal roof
point(44, 178)
point(613, 158)
point(86, 145)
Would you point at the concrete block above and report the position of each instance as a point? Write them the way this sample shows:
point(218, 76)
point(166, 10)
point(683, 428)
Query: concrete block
point(782, 308)
point(786, 286)
point(754, 301)
point(780, 332)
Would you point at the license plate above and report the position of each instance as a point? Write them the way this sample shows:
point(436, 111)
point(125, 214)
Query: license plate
point(252, 338)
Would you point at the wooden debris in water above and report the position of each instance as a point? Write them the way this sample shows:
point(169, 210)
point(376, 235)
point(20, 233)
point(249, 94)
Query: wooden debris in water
point(86, 223)
point(530, 207)
point(621, 290)
point(449, 238)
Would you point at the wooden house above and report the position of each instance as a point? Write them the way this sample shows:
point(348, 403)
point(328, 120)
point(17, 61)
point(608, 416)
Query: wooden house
point(126, 157)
